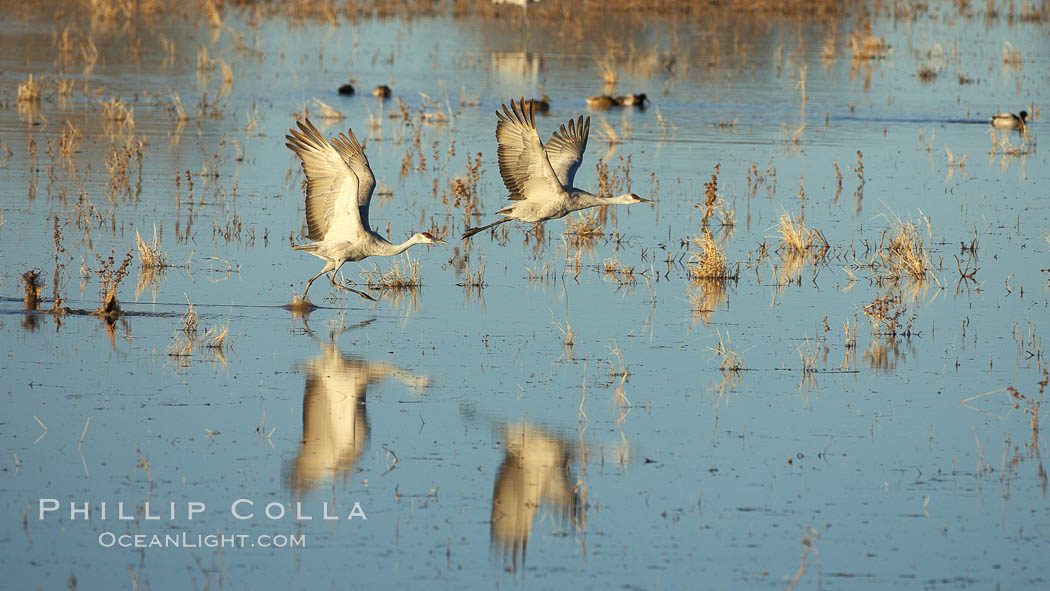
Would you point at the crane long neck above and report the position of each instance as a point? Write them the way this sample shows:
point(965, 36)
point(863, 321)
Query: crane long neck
point(390, 249)
point(585, 199)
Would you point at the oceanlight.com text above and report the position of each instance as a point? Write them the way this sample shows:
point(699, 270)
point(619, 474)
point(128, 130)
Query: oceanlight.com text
point(108, 539)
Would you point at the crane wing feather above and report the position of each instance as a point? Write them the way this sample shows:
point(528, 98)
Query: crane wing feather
point(523, 163)
point(566, 147)
point(353, 152)
point(333, 189)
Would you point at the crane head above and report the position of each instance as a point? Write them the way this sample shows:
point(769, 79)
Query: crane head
point(428, 238)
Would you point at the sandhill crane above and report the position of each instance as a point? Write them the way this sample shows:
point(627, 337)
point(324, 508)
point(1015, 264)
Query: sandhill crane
point(535, 470)
point(1009, 120)
point(540, 178)
point(335, 422)
point(524, 4)
point(339, 185)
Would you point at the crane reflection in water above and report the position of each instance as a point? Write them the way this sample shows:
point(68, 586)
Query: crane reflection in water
point(335, 419)
point(535, 472)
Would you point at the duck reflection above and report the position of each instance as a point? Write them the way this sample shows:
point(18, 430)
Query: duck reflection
point(535, 471)
point(335, 419)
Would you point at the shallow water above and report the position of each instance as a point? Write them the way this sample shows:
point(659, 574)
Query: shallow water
point(485, 450)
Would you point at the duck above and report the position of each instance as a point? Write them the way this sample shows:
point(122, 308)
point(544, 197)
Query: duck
point(346, 90)
point(632, 100)
point(382, 91)
point(1009, 120)
point(602, 101)
point(541, 105)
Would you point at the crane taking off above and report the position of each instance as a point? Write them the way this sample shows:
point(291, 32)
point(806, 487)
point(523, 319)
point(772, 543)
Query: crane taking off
point(339, 185)
point(540, 177)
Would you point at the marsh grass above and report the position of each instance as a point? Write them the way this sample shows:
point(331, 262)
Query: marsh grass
point(474, 278)
point(798, 240)
point(865, 46)
point(464, 188)
point(29, 91)
point(583, 228)
point(619, 272)
point(69, 144)
point(710, 264)
point(190, 320)
point(1032, 405)
point(809, 355)
point(731, 360)
point(902, 251)
point(709, 274)
point(63, 87)
point(110, 275)
point(185, 338)
point(120, 156)
point(216, 336)
point(404, 274)
point(850, 331)
point(618, 371)
point(889, 316)
point(710, 196)
point(150, 254)
point(117, 110)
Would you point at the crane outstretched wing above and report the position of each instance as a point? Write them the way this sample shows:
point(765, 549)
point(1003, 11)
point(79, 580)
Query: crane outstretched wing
point(332, 186)
point(565, 149)
point(353, 154)
point(523, 163)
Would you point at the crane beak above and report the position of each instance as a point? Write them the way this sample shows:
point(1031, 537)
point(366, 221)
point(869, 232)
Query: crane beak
point(439, 241)
point(640, 200)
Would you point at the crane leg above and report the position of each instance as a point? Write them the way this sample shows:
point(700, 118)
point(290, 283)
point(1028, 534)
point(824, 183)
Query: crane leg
point(347, 287)
point(471, 231)
point(312, 279)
